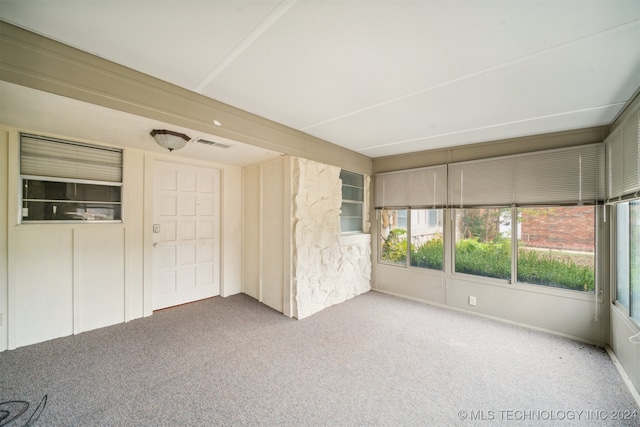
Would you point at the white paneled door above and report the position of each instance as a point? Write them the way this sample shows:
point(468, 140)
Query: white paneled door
point(186, 234)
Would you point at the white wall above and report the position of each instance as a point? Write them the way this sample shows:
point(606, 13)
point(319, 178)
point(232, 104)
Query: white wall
point(274, 239)
point(231, 232)
point(251, 231)
point(4, 267)
point(266, 231)
point(133, 193)
point(64, 279)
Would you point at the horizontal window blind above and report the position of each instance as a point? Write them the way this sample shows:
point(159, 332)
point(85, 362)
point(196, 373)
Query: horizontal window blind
point(414, 188)
point(571, 175)
point(623, 157)
point(482, 182)
point(48, 157)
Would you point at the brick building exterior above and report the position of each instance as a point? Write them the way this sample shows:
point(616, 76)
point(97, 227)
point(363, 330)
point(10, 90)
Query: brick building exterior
point(559, 228)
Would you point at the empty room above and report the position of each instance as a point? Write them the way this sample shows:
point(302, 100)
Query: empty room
point(307, 212)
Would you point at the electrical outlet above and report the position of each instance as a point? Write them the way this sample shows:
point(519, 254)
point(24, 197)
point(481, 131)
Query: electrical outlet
point(472, 300)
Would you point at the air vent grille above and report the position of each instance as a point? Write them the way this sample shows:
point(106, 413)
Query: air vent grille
point(213, 143)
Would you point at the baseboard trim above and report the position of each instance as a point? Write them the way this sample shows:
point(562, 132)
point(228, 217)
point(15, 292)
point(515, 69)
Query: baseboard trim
point(624, 375)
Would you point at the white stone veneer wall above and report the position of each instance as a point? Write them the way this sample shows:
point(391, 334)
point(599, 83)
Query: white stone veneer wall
point(326, 269)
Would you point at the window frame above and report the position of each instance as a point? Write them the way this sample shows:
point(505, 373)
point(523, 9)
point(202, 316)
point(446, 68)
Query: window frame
point(69, 179)
point(353, 202)
point(514, 256)
point(629, 310)
point(409, 238)
point(454, 272)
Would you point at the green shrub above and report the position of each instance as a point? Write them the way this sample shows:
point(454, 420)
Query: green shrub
point(562, 272)
point(429, 255)
point(492, 259)
point(394, 248)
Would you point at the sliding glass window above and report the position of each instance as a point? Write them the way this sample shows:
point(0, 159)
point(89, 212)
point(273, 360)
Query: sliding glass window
point(412, 237)
point(556, 247)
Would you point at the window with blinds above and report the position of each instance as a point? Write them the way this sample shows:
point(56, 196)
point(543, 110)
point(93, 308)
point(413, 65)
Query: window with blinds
point(532, 202)
point(413, 188)
point(69, 181)
point(567, 176)
point(623, 158)
point(623, 192)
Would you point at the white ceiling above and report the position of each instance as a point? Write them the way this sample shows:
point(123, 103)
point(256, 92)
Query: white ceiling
point(378, 77)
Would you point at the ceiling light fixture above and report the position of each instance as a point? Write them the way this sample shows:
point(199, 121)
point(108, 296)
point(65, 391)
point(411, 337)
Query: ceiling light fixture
point(169, 139)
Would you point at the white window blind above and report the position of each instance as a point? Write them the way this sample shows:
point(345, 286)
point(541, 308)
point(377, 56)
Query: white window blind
point(48, 157)
point(414, 188)
point(571, 175)
point(483, 182)
point(623, 157)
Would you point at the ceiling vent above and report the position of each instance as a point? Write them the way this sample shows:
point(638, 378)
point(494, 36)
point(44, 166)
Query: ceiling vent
point(213, 143)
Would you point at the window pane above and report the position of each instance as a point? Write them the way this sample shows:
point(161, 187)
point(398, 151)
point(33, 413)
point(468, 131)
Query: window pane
point(556, 247)
point(634, 267)
point(48, 200)
point(69, 211)
point(352, 209)
point(402, 219)
point(350, 224)
point(483, 242)
point(434, 216)
point(393, 237)
point(352, 193)
point(427, 248)
point(351, 178)
point(622, 254)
